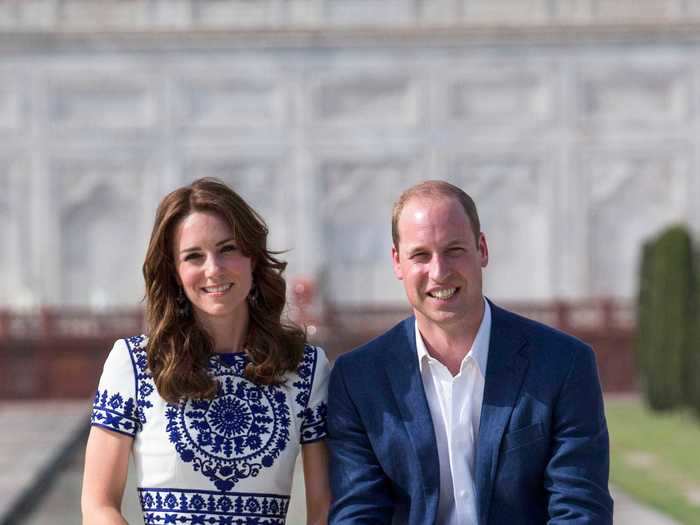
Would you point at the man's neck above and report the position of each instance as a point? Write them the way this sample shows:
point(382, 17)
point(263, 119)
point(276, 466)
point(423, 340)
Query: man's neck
point(449, 344)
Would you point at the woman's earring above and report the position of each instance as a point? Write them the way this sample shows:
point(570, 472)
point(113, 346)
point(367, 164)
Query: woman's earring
point(183, 305)
point(254, 296)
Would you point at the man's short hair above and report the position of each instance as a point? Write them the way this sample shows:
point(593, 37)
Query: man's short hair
point(434, 188)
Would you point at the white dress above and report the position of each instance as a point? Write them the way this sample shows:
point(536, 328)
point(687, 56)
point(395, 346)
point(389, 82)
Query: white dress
point(228, 461)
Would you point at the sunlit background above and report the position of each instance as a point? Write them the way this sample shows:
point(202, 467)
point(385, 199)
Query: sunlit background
point(574, 124)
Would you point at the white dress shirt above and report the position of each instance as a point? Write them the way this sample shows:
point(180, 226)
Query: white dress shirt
point(455, 407)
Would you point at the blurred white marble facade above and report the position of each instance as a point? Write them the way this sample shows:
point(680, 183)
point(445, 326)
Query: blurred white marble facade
point(573, 123)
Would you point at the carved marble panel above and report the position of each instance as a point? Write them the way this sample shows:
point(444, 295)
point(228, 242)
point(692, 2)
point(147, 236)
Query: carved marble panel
point(211, 101)
point(13, 105)
point(500, 96)
point(633, 195)
point(227, 13)
point(370, 12)
point(101, 228)
point(259, 180)
point(626, 10)
point(16, 285)
point(365, 98)
point(82, 100)
point(500, 11)
point(103, 13)
point(356, 196)
point(513, 195)
point(626, 96)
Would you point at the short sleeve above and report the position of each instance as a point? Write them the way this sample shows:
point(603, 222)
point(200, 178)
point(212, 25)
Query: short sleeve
point(313, 417)
point(114, 406)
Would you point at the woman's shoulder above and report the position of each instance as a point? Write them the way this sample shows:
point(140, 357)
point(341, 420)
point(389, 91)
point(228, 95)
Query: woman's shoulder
point(128, 352)
point(313, 360)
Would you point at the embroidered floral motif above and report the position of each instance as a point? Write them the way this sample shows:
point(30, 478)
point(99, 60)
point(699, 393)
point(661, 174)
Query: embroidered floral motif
point(115, 412)
point(191, 507)
point(313, 424)
point(305, 371)
point(236, 434)
point(144, 381)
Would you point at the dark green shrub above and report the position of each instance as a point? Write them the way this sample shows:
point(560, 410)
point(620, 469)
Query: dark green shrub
point(664, 316)
point(692, 379)
point(644, 314)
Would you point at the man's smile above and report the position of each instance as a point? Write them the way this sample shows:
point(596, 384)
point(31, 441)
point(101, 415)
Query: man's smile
point(442, 293)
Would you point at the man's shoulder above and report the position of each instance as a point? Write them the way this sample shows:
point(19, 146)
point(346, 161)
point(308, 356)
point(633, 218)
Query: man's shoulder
point(536, 333)
point(375, 350)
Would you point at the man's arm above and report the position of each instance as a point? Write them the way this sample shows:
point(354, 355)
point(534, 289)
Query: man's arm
point(360, 488)
point(576, 476)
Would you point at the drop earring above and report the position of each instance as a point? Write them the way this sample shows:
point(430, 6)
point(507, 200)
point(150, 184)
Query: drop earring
point(254, 296)
point(183, 305)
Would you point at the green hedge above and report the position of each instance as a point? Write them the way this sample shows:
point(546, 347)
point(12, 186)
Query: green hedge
point(666, 324)
point(693, 350)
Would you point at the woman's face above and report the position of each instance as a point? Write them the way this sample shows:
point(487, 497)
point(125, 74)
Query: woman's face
point(215, 275)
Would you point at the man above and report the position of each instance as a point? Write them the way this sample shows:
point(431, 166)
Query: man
point(465, 413)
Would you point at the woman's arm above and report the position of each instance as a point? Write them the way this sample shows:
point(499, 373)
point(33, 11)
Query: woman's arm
point(106, 466)
point(318, 492)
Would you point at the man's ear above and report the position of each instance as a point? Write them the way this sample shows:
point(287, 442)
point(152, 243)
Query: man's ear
point(396, 263)
point(483, 250)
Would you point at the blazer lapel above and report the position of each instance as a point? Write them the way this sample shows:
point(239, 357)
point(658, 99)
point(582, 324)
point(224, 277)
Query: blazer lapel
point(407, 386)
point(505, 371)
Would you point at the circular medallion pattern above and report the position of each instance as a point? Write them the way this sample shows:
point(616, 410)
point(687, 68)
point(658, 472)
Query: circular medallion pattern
point(243, 429)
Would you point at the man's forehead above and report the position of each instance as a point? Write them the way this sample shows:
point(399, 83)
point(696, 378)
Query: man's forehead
point(418, 208)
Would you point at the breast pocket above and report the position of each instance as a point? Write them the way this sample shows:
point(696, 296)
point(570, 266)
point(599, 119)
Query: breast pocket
point(523, 436)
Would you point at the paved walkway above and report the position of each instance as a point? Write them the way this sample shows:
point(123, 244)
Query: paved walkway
point(35, 436)
point(33, 439)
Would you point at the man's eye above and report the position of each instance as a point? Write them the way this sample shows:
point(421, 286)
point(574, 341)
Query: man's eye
point(419, 257)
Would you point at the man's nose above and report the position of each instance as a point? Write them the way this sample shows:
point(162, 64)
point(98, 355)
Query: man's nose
point(439, 268)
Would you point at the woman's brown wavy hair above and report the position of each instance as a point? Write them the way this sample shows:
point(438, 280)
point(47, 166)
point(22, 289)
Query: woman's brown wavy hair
point(178, 347)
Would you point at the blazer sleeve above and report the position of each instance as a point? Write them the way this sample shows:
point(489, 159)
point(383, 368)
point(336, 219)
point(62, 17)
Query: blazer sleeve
point(576, 475)
point(360, 488)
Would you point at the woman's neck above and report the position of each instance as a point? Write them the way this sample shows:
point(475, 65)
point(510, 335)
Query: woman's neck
point(228, 334)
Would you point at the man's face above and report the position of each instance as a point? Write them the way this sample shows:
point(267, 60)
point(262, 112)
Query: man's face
point(439, 261)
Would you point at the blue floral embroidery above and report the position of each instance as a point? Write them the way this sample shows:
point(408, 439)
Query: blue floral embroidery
point(313, 421)
point(192, 507)
point(144, 381)
point(305, 371)
point(232, 437)
point(122, 413)
point(115, 412)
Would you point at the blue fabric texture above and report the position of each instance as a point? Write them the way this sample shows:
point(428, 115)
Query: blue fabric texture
point(542, 453)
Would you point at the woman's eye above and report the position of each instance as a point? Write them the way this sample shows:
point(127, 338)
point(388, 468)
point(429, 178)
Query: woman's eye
point(192, 256)
point(228, 248)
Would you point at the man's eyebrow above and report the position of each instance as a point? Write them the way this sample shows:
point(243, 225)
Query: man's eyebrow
point(197, 248)
point(414, 249)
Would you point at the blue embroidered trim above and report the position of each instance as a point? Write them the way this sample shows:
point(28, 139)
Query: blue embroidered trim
point(236, 434)
point(194, 507)
point(313, 424)
point(305, 371)
point(144, 385)
point(118, 412)
point(115, 413)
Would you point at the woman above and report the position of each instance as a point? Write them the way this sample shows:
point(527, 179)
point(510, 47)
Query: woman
point(217, 401)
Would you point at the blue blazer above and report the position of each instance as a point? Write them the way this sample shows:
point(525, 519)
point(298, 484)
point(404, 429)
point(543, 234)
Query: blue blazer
point(542, 452)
